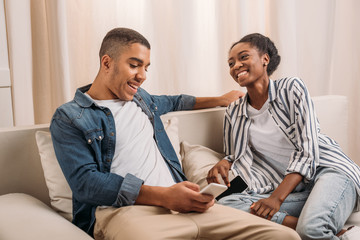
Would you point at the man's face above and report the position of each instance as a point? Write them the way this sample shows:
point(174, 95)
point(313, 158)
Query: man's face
point(128, 72)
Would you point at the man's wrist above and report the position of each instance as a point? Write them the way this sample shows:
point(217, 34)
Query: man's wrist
point(151, 195)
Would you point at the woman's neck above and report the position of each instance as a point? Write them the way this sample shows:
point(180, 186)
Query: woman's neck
point(258, 94)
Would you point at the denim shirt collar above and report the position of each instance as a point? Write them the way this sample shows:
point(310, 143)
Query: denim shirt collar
point(81, 99)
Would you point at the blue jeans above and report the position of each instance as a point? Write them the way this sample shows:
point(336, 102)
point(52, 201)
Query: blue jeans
point(329, 205)
point(322, 212)
point(292, 205)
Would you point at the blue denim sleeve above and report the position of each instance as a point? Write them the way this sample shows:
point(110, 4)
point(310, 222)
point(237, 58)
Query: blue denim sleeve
point(187, 102)
point(167, 103)
point(129, 191)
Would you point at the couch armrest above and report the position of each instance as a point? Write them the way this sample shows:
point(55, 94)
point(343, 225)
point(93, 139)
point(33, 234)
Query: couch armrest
point(25, 217)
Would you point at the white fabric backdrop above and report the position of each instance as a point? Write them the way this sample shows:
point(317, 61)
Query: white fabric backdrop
point(53, 47)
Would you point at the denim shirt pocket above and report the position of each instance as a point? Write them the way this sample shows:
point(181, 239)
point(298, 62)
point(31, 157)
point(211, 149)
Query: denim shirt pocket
point(94, 139)
point(94, 135)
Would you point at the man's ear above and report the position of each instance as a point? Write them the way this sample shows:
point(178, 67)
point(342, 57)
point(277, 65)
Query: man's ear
point(106, 62)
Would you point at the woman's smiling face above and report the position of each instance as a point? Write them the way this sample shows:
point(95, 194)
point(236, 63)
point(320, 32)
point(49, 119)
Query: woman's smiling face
point(247, 64)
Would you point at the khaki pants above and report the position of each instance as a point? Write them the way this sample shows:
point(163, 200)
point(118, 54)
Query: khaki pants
point(219, 222)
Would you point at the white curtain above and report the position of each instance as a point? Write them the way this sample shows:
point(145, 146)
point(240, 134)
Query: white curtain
point(53, 47)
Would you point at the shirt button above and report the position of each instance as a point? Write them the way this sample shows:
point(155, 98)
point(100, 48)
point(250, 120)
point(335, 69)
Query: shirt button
point(112, 134)
point(155, 108)
point(108, 113)
point(89, 140)
point(100, 137)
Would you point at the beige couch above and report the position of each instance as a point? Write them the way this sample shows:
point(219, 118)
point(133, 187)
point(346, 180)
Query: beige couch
point(38, 206)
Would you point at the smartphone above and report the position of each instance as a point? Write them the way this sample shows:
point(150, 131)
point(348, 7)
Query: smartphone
point(213, 189)
point(237, 185)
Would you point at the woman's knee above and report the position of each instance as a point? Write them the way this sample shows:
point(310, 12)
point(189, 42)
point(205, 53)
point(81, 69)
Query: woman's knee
point(314, 230)
point(306, 232)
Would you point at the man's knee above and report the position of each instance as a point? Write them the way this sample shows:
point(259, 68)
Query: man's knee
point(143, 222)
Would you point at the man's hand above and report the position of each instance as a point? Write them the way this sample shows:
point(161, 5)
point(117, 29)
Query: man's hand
point(222, 168)
point(231, 97)
point(221, 101)
point(185, 197)
point(181, 197)
point(266, 208)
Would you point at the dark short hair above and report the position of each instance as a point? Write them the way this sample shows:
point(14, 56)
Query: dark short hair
point(264, 45)
point(118, 38)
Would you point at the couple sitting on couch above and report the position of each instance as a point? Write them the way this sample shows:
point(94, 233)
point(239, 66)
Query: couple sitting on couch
point(125, 177)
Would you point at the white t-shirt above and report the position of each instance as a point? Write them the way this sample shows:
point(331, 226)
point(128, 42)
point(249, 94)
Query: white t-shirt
point(266, 138)
point(136, 151)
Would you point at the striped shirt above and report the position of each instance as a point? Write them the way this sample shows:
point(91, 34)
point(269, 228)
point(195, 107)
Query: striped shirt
point(293, 111)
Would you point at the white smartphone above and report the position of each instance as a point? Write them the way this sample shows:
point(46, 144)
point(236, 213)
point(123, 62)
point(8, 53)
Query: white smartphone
point(214, 189)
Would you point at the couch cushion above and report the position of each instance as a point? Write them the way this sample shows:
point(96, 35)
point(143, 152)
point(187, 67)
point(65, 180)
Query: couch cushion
point(59, 190)
point(332, 113)
point(25, 217)
point(197, 161)
point(172, 130)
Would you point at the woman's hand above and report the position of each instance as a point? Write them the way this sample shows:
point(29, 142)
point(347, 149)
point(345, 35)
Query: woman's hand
point(266, 208)
point(222, 168)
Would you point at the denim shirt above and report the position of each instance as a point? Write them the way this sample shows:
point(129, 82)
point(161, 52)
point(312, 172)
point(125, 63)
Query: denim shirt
point(83, 135)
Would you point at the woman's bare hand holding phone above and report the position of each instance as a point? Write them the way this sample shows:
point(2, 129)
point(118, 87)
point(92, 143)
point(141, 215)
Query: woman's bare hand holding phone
point(222, 168)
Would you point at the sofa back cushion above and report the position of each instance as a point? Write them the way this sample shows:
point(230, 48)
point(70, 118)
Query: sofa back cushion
point(332, 112)
point(59, 190)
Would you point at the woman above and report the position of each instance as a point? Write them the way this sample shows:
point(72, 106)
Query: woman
point(273, 141)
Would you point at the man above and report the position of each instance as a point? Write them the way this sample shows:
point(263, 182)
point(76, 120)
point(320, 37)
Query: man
point(124, 174)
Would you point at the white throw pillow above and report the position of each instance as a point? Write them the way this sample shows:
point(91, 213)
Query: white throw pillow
point(197, 161)
point(59, 190)
point(172, 130)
